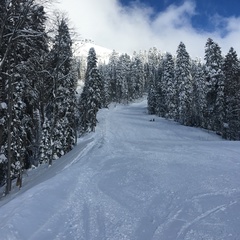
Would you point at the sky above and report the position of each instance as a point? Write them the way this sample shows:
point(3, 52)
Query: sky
point(128, 26)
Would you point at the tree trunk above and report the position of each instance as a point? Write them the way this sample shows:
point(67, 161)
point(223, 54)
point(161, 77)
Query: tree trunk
point(9, 140)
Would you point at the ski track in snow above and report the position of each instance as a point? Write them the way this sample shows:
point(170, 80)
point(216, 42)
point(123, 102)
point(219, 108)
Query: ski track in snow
point(132, 179)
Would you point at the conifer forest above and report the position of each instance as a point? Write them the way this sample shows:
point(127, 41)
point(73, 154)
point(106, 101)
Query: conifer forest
point(41, 114)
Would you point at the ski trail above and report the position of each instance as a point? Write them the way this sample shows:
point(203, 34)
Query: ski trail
point(197, 219)
point(132, 179)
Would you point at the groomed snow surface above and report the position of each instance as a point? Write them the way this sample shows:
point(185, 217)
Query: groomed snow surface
point(132, 179)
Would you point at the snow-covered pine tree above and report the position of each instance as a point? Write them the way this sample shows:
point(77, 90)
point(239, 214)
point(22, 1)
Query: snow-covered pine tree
point(215, 86)
point(151, 99)
point(169, 86)
point(119, 80)
point(161, 106)
point(62, 115)
point(112, 66)
point(184, 83)
point(122, 78)
point(231, 69)
point(35, 72)
point(153, 75)
point(19, 34)
point(199, 94)
point(91, 97)
point(137, 78)
point(106, 94)
point(142, 56)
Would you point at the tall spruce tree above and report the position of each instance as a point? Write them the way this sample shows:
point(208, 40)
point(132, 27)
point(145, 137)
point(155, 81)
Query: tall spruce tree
point(184, 83)
point(151, 99)
point(122, 78)
point(35, 71)
point(62, 108)
point(153, 74)
point(215, 86)
point(137, 78)
point(170, 87)
point(199, 94)
point(231, 69)
point(112, 68)
point(91, 97)
point(104, 72)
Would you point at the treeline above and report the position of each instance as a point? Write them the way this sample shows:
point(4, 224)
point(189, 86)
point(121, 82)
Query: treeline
point(191, 92)
point(124, 78)
point(197, 94)
point(121, 80)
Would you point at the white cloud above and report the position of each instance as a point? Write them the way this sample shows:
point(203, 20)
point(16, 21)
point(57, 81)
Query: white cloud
point(138, 27)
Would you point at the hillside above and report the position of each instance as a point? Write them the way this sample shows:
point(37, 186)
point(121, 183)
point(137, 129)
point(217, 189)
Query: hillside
point(81, 49)
point(131, 179)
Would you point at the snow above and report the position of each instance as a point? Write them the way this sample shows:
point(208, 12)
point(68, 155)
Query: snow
point(3, 105)
point(131, 179)
point(81, 49)
point(2, 158)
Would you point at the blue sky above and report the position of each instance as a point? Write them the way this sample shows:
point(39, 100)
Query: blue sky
point(205, 10)
point(127, 26)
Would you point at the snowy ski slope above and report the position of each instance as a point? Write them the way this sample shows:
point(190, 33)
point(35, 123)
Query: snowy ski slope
point(132, 179)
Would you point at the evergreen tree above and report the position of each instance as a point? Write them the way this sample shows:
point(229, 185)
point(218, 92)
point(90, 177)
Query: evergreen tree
point(153, 74)
point(106, 93)
point(169, 87)
point(91, 97)
point(184, 83)
point(199, 94)
point(122, 78)
point(137, 78)
point(36, 76)
point(151, 99)
point(22, 25)
point(112, 66)
point(215, 86)
point(62, 108)
point(231, 69)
